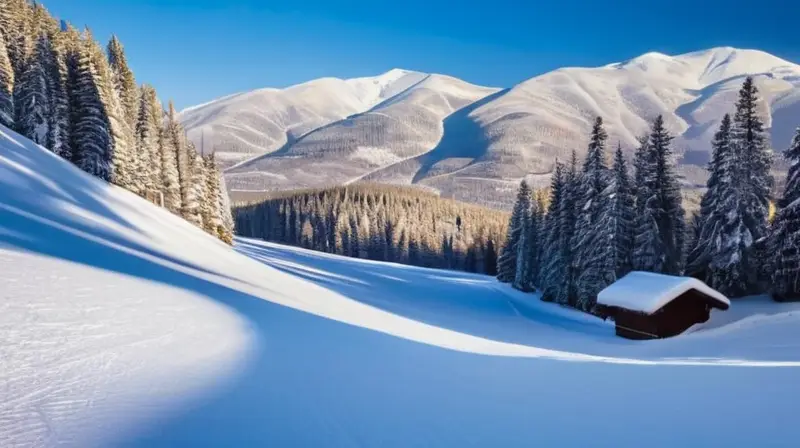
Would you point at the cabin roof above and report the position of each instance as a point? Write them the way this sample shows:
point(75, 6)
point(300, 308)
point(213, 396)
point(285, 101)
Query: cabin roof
point(647, 292)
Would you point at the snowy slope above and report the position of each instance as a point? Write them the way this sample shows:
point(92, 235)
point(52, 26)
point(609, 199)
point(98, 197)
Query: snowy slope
point(262, 121)
point(402, 127)
point(121, 325)
point(484, 148)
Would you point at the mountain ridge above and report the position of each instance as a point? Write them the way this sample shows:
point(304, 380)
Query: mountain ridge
point(477, 149)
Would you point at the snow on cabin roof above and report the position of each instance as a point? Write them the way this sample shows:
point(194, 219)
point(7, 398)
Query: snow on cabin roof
point(647, 292)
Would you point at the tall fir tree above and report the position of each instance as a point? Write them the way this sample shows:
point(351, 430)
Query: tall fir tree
point(170, 178)
point(148, 139)
point(785, 238)
point(623, 213)
point(197, 189)
point(58, 138)
point(751, 143)
point(591, 204)
point(507, 263)
point(32, 99)
point(660, 229)
point(6, 86)
point(124, 81)
point(90, 137)
point(529, 250)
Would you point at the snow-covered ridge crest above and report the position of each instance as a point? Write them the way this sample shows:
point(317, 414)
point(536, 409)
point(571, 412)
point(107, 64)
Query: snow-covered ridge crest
point(488, 142)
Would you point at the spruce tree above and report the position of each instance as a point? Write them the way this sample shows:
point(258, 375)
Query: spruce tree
point(170, 180)
point(148, 139)
point(124, 81)
point(32, 99)
point(89, 132)
point(591, 204)
point(507, 263)
point(785, 238)
point(58, 138)
point(529, 251)
point(6, 86)
point(623, 213)
point(660, 229)
point(751, 143)
point(197, 189)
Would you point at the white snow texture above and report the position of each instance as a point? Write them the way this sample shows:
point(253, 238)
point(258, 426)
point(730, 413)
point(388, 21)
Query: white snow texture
point(122, 325)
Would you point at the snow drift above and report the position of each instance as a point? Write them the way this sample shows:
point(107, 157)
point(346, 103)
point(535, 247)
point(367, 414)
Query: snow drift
point(122, 325)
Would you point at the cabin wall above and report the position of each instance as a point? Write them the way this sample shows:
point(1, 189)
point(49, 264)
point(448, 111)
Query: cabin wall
point(633, 325)
point(682, 313)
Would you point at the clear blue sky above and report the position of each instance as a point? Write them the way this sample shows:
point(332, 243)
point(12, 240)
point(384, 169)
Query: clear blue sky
point(197, 50)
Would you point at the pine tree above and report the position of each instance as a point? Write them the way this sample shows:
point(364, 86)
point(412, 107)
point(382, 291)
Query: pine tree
point(148, 139)
point(751, 144)
point(170, 179)
point(660, 229)
point(507, 263)
point(124, 81)
point(15, 26)
point(623, 215)
point(32, 99)
point(58, 138)
point(212, 217)
point(785, 238)
point(197, 185)
point(6, 85)
point(90, 136)
point(591, 204)
point(177, 141)
point(529, 251)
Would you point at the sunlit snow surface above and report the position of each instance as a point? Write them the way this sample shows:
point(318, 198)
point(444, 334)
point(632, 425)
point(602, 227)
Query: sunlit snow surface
point(121, 325)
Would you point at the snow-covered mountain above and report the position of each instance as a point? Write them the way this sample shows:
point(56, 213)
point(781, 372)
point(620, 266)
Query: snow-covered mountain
point(123, 325)
point(478, 147)
point(240, 126)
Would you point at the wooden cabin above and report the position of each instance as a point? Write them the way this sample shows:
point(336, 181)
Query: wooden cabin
point(645, 305)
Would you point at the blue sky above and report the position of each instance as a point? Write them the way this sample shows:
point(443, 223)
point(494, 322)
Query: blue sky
point(197, 50)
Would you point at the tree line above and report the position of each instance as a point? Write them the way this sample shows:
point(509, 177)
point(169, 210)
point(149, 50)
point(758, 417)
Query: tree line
point(60, 89)
point(604, 221)
point(380, 222)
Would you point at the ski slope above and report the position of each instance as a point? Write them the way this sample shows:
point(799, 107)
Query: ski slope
point(122, 325)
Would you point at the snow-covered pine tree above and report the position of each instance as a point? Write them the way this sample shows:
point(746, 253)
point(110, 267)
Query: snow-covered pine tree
point(14, 25)
point(751, 143)
point(90, 137)
point(121, 149)
point(623, 215)
point(525, 239)
point(58, 138)
point(148, 139)
point(32, 99)
point(178, 142)
point(719, 248)
point(591, 204)
point(124, 81)
point(507, 263)
point(6, 86)
point(529, 250)
point(170, 180)
point(660, 230)
point(197, 185)
point(227, 229)
point(785, 238)
point(212, 218)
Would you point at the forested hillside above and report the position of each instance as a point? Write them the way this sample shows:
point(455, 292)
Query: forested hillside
point(60, 89)
point(380, 222)
point(604, 221)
